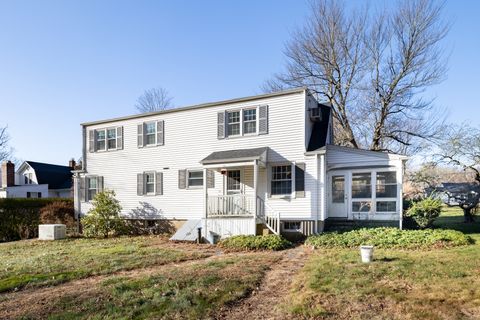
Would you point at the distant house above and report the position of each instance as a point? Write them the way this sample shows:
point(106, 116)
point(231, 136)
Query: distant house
point(36, 180)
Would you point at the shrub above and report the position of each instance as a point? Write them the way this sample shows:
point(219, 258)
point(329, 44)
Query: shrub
point(265, 242)
point(390, 238)
point(424, 212)
point(58, 212)
point(103, 219)
point(19, 218)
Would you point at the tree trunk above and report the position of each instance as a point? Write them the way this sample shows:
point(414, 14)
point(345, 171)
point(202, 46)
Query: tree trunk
point(468, 216)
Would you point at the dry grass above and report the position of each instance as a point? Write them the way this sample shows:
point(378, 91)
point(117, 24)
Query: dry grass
point(422, 284)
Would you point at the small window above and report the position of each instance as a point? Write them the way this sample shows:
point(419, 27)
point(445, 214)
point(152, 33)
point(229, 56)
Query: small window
point(233, 120)
point(149, 183)
point(34, 195)
point(101, 144)
point(281, 180)
point(386, 185)
point(195, 178)
point(92, 188)
point(150, 133)
point(112, 138)
point(361, 206)
point(233, 182)
point(362, 185)
point(386, 206)
point(292, 226)
point(250, 121)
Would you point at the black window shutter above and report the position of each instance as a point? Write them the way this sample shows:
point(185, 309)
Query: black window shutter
point(99, 184)
point(86, 183)
point(91, 141)
point(210, 178)
point(263, 119)
point(300, 180)
point(120, 138)
point(221, 128)
point(160, 133)
point(140, 135)
point(140, 184)
point(182, 179)
point(159, 183)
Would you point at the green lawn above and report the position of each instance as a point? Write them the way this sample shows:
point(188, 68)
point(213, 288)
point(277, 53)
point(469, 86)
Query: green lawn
point(400, 284)
point(33, 262)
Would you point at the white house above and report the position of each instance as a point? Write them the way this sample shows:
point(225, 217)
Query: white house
point(237, 165)
point(36, 180)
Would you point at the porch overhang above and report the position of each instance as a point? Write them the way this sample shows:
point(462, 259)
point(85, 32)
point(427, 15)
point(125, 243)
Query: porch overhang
point(236, 158)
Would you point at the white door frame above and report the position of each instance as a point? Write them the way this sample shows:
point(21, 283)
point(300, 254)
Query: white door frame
point(347, 195)
point(225, 181)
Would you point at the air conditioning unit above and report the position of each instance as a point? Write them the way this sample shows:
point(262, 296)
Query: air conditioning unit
point(52, 231)
point(315, 114)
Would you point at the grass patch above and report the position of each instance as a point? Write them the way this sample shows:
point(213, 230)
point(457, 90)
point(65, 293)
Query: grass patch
point(266, 242)
point(33, 263)
point(193, 291)
point(390, 238)
point(399, 284)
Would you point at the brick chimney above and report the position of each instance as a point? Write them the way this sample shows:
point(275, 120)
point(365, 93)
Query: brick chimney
point(72, 163)
point(8, 174)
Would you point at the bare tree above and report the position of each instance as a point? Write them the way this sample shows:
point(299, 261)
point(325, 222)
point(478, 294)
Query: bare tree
point(461, 148)
point(154, 99)
point(5, 150)
point(373, 68)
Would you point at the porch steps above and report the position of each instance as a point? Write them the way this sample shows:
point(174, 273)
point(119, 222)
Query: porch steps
point(341, 225)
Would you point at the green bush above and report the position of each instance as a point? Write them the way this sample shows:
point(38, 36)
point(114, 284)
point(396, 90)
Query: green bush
point(20, 217)
point(390, 238)
point(103, 219)
point(424, 212)
point(266, 242)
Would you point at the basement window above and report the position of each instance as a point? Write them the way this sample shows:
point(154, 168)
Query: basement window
point(292, 226)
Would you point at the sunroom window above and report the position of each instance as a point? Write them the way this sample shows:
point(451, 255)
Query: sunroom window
point(362, 185)
point(386, 184)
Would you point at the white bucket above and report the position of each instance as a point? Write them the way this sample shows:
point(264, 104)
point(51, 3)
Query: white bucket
point(367, 253)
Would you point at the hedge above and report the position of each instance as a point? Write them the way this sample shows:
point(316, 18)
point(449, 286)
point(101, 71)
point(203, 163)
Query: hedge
point(19, 217)
point(390, 238)
point(265, 242)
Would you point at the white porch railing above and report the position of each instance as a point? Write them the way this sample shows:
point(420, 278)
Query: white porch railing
point(230, 205)
point(270, 217)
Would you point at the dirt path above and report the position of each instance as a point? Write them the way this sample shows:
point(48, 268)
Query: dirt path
point(266, 302)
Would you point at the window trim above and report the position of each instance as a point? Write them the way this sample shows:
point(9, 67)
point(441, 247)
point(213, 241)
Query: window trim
point(292, 182)
point(146, 193)
point(187, 178)
point(145, 134)
point(242, 122)
point(88, 187)
point(106, 148)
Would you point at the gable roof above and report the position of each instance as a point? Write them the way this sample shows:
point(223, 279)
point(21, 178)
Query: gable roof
point(57, 177)
point(318, 138)
point(199, 106)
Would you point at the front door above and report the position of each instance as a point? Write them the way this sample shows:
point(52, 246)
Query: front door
point(233, 189)
point(338, 196)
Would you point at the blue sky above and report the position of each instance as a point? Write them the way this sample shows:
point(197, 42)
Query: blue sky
point(67, 62)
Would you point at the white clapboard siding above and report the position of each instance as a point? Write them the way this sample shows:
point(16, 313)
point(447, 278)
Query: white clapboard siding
point(190, 136)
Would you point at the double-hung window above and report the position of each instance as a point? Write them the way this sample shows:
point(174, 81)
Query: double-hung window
point(150, 133)
point(249, 121)
point(233, 121)
point(92, 187)
point(386, 191)
point(195, 178)
point(149, 182)
point(281, 182)
point(100, 140)
point(112, 138)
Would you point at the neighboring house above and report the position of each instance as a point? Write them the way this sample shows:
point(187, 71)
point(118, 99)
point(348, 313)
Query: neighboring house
point(451, 192)
point(237, 165)
point(36, 180)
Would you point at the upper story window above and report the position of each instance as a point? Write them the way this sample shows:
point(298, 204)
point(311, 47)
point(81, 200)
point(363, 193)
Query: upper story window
point(233, 121)
point(28, 178)
point(250, 121)
point(150, 134)
point(105, 139)
point(246, 121)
